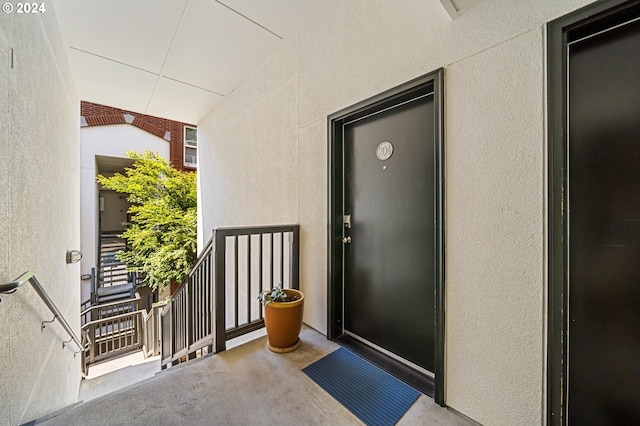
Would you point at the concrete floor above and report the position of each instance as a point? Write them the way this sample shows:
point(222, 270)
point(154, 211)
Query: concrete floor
point(246, 385)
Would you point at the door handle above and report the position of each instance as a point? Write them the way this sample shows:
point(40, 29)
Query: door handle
point(346, 219)
point(346, 240)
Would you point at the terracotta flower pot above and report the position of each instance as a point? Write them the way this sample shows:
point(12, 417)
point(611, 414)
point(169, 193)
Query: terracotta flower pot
point(283, 321)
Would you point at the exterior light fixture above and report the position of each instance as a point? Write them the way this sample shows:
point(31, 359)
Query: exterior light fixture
point(73, 256)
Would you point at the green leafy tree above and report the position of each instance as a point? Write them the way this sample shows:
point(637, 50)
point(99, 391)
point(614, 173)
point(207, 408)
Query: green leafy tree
point(162, 231)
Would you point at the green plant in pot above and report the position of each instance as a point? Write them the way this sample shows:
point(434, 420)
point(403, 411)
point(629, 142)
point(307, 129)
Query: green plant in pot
point(282, 317)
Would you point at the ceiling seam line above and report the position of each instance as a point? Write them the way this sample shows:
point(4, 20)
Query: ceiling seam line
point(113, 60)
point(166, 56)
point(248, 19)
point(192, 85)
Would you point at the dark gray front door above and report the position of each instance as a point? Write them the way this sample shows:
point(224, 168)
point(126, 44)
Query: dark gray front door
point(604, 227)
point(389, 254)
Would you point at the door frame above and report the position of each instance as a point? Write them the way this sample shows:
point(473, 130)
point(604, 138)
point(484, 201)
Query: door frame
point(435, 81)
point(584, 21)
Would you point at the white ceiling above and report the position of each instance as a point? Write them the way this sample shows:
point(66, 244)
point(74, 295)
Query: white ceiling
point(177, 58)
point(171, 58)
point(457, 7)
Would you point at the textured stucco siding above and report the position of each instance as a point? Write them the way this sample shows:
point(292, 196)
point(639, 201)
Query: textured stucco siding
point(495, 235)
point(39, 216)
point(495, 158)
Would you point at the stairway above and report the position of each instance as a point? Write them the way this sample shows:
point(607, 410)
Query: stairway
point(112, 319)
point(111, 272)
point(114, 282)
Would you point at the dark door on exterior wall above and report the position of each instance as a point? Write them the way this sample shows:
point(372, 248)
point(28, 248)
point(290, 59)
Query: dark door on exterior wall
point(604, 225)
point(386, 252)
point(389, 204)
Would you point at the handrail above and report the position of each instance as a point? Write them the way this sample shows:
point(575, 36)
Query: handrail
point(246, 230)
point(110, 304)
point(203, 254)
point(30, 277)
point(142, 312)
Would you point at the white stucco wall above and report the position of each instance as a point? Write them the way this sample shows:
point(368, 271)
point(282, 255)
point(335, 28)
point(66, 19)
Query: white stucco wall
point(263, 157)
point(39, 216)
point(107, 141)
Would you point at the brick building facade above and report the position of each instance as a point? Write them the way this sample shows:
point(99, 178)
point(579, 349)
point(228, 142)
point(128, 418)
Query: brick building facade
point(172, 131)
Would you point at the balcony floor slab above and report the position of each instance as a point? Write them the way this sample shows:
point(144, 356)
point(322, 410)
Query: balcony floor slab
point(246, 385)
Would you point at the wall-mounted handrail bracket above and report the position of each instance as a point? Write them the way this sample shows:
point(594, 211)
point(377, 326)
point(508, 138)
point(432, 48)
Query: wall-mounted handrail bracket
point(8, 292)
point(43, 324)
point(30, 277)
point(86, 343)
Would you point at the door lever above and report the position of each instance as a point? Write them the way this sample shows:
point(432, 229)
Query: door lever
point(346, 240)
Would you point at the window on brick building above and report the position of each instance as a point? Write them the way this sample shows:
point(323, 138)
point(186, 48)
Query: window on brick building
point(190, 146)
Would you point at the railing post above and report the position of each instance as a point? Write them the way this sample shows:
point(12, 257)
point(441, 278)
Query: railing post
point(208, 277)
point(157, 330)
point(92, 336)
point(172, 321)
point(140, 326)
point(92, 296)
point(295, 258)
point(170, 332)
point(166, 334)
point(219, 284)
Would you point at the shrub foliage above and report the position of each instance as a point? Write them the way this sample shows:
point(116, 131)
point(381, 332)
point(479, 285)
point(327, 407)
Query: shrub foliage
point(162, 233)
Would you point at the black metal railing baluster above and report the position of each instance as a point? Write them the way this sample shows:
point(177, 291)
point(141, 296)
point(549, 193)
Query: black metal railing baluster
point(235, 281)
point(248, 278)
point(272, 260)
point(260, 287)
point(282, 259)
point(219, 283)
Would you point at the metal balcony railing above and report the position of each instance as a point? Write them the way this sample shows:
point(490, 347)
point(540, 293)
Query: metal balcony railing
point(218, 299)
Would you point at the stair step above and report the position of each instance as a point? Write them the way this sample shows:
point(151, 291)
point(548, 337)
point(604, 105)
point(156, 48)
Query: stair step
point(109, 257)
point(119, 268)
point(115, 267)
point(112, 247)
point(110, 276)
point(110, 252)
point(116, 282)
point(104, 279)
point(113, 298)
point(113, 273)
point(114, 289)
